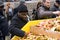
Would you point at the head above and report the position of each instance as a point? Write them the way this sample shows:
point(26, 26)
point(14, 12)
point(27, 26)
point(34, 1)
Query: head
point(22, 2)
point(57, 3)
point(8, 4)
point(23, 12)
point(46, 3)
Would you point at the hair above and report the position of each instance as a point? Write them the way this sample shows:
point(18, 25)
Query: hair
point(39, 4)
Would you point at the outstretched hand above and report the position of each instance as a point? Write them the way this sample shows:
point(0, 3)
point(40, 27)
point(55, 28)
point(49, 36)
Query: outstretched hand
point(56, 12)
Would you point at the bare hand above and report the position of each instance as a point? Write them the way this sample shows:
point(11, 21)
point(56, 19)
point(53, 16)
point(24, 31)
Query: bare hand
point(56, 12)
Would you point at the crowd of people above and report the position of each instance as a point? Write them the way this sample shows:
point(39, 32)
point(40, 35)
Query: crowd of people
point(45, 10)
point(10, 0)
point(14, 0)
point(19, 16)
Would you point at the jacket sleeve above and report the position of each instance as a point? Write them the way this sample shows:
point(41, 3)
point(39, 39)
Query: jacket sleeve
point(4, 26)
point(42, 13)
point(16, 31)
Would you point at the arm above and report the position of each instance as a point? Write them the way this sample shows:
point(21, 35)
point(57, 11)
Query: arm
point(43, 13)
point(6, 9)
point(4, 25)
point(14, 30)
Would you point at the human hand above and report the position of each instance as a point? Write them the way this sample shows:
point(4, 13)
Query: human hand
point(25, 36)
point(56, 12)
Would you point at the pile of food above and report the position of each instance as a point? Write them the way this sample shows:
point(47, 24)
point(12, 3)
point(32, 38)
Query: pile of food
point(37, 37)
point(53, 25)
point(49, 24)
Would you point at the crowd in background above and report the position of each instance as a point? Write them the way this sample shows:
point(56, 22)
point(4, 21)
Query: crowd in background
point(13, 0)
point(13, 19)
point(45, 10)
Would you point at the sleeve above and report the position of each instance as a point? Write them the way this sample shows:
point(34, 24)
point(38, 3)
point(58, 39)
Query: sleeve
point(4, 25)
point(43, 13)
point(16, 31)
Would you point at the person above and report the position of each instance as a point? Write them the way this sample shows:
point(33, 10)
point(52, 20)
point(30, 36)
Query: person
point(44, 11)
point(35, 11)
point(4, 31)
point(9, 10)
point(18, 21)
point(56, 6)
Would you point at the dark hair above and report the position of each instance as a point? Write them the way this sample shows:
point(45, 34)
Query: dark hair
point(39, 4)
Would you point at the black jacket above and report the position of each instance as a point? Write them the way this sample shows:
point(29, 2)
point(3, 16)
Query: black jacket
point(4, 31)
point(16, 24)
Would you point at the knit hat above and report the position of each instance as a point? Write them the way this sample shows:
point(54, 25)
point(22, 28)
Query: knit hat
point(22, 8)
